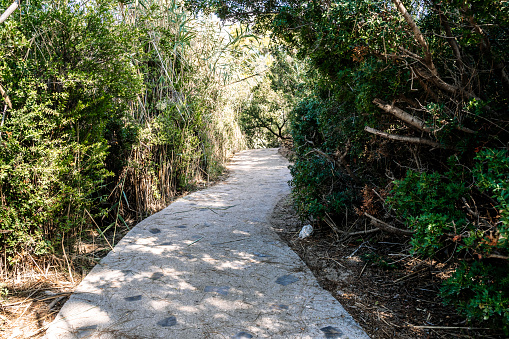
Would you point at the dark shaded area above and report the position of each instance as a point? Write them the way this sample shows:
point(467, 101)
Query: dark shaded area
point(388, 292)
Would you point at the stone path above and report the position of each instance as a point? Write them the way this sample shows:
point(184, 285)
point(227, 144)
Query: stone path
point(208, 266)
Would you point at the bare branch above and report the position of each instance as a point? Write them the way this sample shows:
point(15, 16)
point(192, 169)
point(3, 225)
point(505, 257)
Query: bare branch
point(497, 256)
point(412, 140)
point(413, 120)
point(428, 61)
point(485, 40)
point(246, 78)
point(449, 36)
point(386, 227)
point(411, 54)
point(487, 46)
point(406, 117)
point(417, 34)
point(503, 74)
point(427, 89)
point(455, 90)
point(6, 97)
point(9, 11)
point(352, 234)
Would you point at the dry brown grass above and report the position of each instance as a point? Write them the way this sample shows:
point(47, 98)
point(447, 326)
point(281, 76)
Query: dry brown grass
point(32, 298)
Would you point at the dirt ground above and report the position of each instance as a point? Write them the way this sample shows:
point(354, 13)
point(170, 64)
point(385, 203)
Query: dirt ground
point(390, 294)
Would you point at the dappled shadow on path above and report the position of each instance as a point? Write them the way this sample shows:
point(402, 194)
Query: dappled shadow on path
point(207, 266)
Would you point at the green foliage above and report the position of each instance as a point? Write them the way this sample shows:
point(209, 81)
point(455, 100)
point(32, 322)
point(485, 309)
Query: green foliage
point(492, 175)
point(429, 203)
point(319, 184)
point(53, 150)
point(113, 113)
point(264, 117)
point(480, 291)
point(265, 113)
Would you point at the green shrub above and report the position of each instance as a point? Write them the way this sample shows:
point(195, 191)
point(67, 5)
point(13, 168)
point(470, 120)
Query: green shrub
point(492, 175)
point(480, 291)
point(319, 185)
point(53, 152)
point(429, 203)
point(113, 113)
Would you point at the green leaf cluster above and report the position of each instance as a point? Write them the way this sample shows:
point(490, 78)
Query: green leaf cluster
point(430, 204)
point(67, 74)
point(116, 108)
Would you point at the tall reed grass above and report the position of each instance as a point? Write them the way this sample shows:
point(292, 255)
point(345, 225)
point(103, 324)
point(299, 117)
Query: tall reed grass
point(116, 110)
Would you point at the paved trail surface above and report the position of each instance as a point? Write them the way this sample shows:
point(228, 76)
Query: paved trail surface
point(208, 266)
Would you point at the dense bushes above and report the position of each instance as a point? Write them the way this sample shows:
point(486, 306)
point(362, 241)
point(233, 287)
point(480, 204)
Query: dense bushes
point(110, 111)
point(434, 206)
point(452, 197)
point(265, 112)
point(479, 291)
point(321, 183)
point(406, 121)
point(66, 71)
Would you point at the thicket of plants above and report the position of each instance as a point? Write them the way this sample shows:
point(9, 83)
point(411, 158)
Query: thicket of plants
point(407, 125)
point(265, 113)
point(109, 110)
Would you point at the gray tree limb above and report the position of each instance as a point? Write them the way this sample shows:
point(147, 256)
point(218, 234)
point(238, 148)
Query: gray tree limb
point(412, 140)
point(406, 117)
point(386, 227)
point(9, 11)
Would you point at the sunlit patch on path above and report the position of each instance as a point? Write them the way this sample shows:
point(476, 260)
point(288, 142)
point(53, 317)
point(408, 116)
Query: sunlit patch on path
point(208, 266)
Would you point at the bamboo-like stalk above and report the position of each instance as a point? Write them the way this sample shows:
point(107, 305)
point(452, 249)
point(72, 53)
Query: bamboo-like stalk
point(171, 85)
point(9, 11)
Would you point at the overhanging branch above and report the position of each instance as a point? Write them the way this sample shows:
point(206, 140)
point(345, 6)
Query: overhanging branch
point(406, 117)
point(412, 140)
point(417, 34)
point(9, 11)
point(386, 227)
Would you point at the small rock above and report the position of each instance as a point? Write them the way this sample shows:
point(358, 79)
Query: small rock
point(286, 280)
point(168, 322)
point(305, 231)
point(156, 276)
point(223, 290)
point(331, 332)
point(133, 298)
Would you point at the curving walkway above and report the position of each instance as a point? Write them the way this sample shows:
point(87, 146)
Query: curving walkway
point(208, 266)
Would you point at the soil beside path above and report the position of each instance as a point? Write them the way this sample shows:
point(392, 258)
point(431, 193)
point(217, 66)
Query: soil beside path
point(208, 266)
point(388, 300)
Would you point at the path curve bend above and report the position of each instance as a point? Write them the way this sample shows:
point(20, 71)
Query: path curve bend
point(208, 266)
